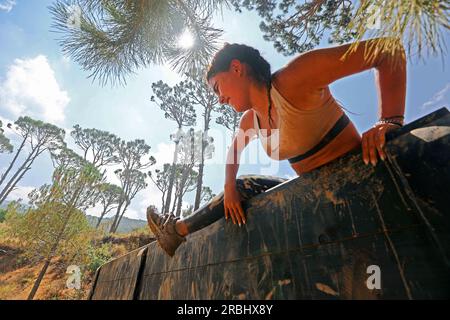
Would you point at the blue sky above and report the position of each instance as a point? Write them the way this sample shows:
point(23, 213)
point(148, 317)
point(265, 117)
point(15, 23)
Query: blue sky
point(37, 80)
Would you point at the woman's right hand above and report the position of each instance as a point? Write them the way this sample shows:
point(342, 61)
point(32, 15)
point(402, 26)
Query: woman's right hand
point(232, 204)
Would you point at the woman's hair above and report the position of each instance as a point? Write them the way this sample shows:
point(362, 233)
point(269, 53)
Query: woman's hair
point(259, 67)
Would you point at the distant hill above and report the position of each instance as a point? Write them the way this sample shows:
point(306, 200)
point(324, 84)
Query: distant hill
point(126, 224)
point(5, 204)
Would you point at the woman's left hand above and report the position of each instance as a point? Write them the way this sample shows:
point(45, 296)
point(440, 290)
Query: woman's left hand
point(373, 142)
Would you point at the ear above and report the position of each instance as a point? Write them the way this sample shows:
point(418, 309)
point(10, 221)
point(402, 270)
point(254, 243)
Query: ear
point(236, 66)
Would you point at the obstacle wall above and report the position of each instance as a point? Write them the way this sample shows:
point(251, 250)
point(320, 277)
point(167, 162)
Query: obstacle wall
point(314, 237)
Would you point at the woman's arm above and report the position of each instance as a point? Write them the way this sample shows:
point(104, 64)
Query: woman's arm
point(232, 200)
point(318, 68)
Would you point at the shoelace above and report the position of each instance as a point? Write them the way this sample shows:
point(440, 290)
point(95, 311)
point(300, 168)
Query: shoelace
point(167, 221)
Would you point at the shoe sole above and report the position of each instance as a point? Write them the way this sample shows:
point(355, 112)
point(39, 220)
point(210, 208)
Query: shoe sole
point(153, 226)
point(156, 230)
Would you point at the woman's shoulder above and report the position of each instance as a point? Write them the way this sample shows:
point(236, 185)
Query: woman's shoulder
point(290, 83)
point(293, 73)
point(247, 120)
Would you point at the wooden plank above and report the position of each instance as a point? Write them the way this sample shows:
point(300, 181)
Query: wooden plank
point(335, 270)
point(118, 279)
point(421, 167)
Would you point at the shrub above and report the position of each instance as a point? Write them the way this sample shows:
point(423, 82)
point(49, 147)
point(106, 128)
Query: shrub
point(2, 215)
point(98, 256)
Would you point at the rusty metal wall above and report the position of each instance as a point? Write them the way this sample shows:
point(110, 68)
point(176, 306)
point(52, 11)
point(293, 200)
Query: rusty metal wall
point(314, 237)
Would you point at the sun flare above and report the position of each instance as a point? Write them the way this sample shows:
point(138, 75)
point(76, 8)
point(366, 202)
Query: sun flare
point(186, 40)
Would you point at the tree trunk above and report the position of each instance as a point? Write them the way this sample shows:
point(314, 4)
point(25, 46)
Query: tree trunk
point(180, 203)
point(55, 245)
point(175, 200)
point(121, 216)
point(37, 283)
point(100, 218)
point(178, 190)
point(47, 261)
point(27, 163)
point(207, 116)
point(171, 180)
point(181, 194)
point(125, 195)
point(200, 178)
point(13, 161)
point(162, 201)
point(116, 217)
point(7, 192)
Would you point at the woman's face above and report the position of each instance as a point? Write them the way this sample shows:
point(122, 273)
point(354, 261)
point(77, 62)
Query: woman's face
point(232, 86)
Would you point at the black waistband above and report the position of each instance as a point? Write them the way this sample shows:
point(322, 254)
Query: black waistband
point(337, 128)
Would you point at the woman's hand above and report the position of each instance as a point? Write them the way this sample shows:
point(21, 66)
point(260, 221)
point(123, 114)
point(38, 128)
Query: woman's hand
point(373, 142)
point(232, 204)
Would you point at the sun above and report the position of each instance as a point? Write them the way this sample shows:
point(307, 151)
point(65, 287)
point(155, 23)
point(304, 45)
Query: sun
point(186, 40)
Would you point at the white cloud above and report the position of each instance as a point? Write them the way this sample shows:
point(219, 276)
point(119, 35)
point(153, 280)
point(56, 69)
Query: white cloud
point(164, 154)
point(438, 97)
point(167, 73)
point(30, 88)
point(20, 193)
point(133, 214)
point(150, 196)
point(7, 5)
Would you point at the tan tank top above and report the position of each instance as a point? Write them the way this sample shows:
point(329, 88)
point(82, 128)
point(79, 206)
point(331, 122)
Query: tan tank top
point(300, 130)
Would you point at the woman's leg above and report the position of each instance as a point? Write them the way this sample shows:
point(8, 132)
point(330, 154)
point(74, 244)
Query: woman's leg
point(170, 231)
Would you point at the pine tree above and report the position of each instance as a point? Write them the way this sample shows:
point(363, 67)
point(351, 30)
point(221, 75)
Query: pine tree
point(109, 196)
point(5, 144)
point(174, 101)
point(295, 27)
point(98, 146)
point(228, 117)
point(131, 176)
point(160, 179)
point(55, 224)
point(201, 96)
point(112, 39)
point(38, 137)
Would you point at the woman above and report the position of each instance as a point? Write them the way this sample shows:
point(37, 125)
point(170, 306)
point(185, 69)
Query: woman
point(302, 121)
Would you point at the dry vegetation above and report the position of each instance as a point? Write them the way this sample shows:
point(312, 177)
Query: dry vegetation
point(17, 274)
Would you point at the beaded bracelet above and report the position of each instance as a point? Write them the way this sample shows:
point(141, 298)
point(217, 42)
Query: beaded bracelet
point(397, 120)
point(384, 121)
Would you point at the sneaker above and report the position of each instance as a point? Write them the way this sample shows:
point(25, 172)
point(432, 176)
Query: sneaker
point(163, 227)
